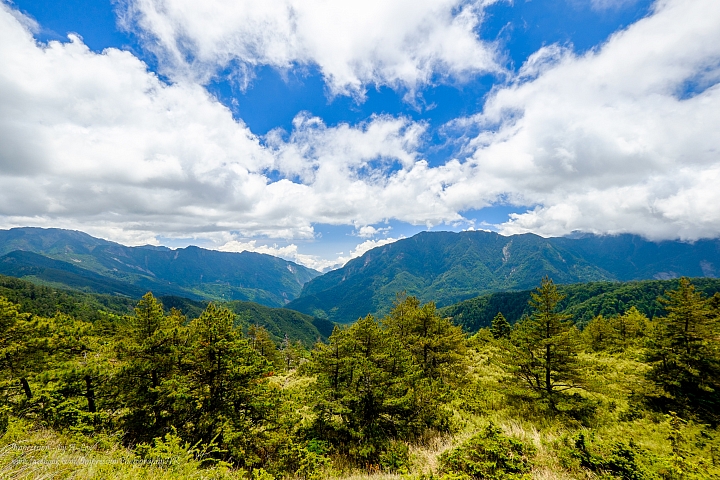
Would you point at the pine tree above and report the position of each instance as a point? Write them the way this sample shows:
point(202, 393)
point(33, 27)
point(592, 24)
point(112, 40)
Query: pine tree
point(542, 351)
point(368, 391)
point(684, 353)
point(262, 343)
point(223, 393)
point(22, 350)
point(500, 327)
point(437, 346)
point(150, 350)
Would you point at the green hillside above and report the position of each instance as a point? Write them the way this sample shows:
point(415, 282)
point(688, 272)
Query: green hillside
point(77, 260)
point(448, 267)
point(46, 301)
point(582, 301)
point(281, 321)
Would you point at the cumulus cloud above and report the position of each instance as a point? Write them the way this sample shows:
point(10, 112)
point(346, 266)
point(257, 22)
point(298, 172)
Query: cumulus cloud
point(402, 43)
point(368, 231)
point(290, 252)
point(621, 139)
point(97, 141)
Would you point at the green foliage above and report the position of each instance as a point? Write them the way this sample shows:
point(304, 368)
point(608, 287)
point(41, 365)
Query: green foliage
point(583, 301)
point(490, 455)
point(372, 387)
point(500, 328)
point(541, 353)
point(437, 346)
point(684, 354)
point(150, 350)
point(153, 395)
point(261, 342)
point(21, 352)
point(622, 460)
point(617, 333)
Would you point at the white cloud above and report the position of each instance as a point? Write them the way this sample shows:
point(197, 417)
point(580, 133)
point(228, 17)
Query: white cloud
point(96, 141)
point(612, 140)
point(290, 252)
point(607, 142)
point(400, 43)
point(367, 231)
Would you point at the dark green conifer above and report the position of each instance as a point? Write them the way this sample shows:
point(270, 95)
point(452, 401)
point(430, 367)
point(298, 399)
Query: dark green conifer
point(543, 348)
point(500, 327)
point(684, 353)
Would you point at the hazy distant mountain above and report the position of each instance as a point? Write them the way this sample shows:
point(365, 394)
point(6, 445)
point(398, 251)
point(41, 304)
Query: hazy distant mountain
point(108, 267)
point(448, 267)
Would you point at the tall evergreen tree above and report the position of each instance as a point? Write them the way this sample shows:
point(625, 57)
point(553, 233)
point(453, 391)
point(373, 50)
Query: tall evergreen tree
point(262, 343)
point(369, 391)
point(224, 390)
point(437, 346)
point(500, 327)
point(684, 353)
point(542, 349)
point(150, 350)
point(22, 350)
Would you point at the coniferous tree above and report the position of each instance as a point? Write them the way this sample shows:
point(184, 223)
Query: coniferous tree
point(150, 350)
point(21, 350)
point(262, 343)
point(500, 327)
point(542, 350)
point(369, 391)
point(224, 392)
point(684, 353)
point(76, 387)
point(437, 346)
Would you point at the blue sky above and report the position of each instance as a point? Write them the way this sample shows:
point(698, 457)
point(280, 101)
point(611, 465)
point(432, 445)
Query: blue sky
point(316, 130)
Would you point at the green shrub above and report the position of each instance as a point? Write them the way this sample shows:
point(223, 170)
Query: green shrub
point(621, 462)
point(489, 455)
point(395, 458)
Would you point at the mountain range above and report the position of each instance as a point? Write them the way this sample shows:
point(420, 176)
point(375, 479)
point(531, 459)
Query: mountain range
point(444, 267)
point(77, 260)
point(448, 267)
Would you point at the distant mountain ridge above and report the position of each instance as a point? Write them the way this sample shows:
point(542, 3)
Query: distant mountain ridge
point(78, 260)
point(448, 267)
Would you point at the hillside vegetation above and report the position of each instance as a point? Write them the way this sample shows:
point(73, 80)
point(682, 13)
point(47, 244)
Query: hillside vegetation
point(154, 394)
point(447, 267)
point(46, 301)
point(583, 301)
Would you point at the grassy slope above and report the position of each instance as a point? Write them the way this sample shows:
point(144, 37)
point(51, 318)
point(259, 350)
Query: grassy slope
point(31, 451)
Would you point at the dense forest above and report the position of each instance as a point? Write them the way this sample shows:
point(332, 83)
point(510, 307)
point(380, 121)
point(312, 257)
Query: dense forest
point(92, 387)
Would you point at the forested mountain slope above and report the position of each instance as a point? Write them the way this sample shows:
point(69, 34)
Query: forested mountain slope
point(582, 301)
point(95, 265)
point(90, 307)
point(449, 267)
